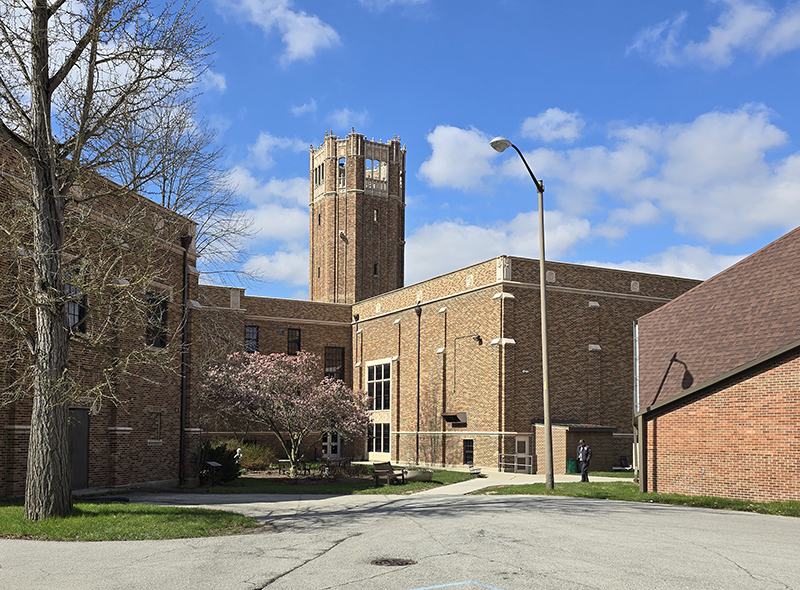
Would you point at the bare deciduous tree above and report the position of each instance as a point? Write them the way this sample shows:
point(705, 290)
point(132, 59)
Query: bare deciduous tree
point(73, 75)
point(173, 158)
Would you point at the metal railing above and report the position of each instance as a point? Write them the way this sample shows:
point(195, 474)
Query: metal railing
point(513, 463)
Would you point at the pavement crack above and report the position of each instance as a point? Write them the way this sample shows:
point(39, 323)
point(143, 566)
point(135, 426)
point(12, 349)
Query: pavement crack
point(306, 561)
point(745, 570)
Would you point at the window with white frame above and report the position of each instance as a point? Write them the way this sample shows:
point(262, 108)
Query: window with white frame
point(378, 436)
point(379, 386)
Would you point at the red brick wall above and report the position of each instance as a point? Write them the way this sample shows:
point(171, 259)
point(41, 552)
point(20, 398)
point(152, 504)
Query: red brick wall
point(738, 441)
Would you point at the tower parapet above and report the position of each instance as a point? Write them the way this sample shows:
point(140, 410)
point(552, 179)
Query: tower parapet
point(357, 218)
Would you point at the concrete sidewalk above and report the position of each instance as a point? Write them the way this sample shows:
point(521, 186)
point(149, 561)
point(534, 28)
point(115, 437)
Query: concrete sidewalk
point(495, 478)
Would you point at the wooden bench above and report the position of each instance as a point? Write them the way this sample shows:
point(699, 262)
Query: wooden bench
point(386, 470)
point(623, 465)
point(474, 470)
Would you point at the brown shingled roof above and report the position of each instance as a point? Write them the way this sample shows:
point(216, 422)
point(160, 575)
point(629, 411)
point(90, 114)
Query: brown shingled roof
point(739, 315)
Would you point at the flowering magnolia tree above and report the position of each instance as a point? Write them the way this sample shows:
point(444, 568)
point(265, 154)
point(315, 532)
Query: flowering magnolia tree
point(289, 395)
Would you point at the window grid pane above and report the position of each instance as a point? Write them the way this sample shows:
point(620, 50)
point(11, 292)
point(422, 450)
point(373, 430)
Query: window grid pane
point(469, 451)
point(334, 362)
point(156, 329)
point(250, 338)
point(75, 308)
point(379, 379)
point(293, 346)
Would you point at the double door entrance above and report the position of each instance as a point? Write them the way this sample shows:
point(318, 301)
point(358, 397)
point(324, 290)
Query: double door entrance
point(330, 445)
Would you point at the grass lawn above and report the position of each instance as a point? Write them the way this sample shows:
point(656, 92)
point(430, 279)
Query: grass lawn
point(339, 487)
point(629, 491)
point(121, 522)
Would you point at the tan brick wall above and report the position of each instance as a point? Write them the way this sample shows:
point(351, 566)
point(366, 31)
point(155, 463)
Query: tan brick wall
point(500, 386)
point(222, 332)
point(117, 457)
point(738, 441)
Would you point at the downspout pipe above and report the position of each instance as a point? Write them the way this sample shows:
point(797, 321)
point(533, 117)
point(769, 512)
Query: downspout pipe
point(186, 241)
point(418, 311)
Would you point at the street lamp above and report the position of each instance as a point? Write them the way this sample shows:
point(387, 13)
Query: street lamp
point(500, 144)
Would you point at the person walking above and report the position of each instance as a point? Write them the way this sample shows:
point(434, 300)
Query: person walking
point(584, 456)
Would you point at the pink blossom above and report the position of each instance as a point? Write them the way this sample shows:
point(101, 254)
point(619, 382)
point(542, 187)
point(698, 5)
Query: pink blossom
point(288, 395)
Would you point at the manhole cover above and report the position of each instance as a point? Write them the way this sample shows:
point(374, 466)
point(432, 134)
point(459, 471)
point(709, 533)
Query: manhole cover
point(393, 561)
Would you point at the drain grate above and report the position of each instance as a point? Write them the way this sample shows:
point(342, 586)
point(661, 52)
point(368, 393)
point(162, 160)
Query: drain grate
point(393, 561)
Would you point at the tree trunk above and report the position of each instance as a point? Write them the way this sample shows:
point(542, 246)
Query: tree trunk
point(294, 458)
point(47, 486)
point(48, 481)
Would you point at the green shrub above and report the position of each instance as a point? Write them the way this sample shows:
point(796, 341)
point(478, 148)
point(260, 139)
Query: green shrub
point(228, 470)
point(255, 457)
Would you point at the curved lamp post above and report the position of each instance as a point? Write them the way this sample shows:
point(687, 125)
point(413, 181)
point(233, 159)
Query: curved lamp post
point(500, 144)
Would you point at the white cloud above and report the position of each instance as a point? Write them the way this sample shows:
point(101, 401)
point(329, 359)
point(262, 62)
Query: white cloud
point(743, 26)
point(309, 107)
point(274, 222)
point(220, 123)
point(692, 262)
point(213, 81)
point(285, 266)
point(345, 118)
point(261, 151)
point(713, 176)
point(460, 158)
point(279, 207)
point(785, 33)
point(620, 220)
point(553, 125)
point(458, 244)
point(290, 191)
point(660, 41)
point(303, 35)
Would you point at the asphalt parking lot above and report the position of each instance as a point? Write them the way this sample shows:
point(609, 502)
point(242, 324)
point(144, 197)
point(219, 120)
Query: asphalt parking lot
point(447, 541)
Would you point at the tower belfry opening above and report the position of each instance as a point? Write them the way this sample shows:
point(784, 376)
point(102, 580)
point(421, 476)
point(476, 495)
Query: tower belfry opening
point(357, 218)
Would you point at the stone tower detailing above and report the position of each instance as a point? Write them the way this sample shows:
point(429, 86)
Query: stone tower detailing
point(357, 218)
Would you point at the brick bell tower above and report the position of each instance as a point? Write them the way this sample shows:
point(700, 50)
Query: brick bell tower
point(357, 218)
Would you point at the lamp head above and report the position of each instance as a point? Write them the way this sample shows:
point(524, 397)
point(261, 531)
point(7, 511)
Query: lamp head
point(500, 144)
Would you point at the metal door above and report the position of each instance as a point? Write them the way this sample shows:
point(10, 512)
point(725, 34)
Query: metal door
point(522, 455)
point(79, 447)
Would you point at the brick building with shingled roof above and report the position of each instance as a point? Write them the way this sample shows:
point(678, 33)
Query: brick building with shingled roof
point(719, 383)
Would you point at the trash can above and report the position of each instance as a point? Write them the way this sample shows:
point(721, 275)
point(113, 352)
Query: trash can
point(572, 466)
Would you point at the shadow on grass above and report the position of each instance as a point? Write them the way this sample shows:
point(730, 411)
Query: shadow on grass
point(333, 487)
point(629, 492)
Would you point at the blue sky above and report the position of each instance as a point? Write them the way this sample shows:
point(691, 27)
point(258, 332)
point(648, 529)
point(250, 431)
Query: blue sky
point(667, 133)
